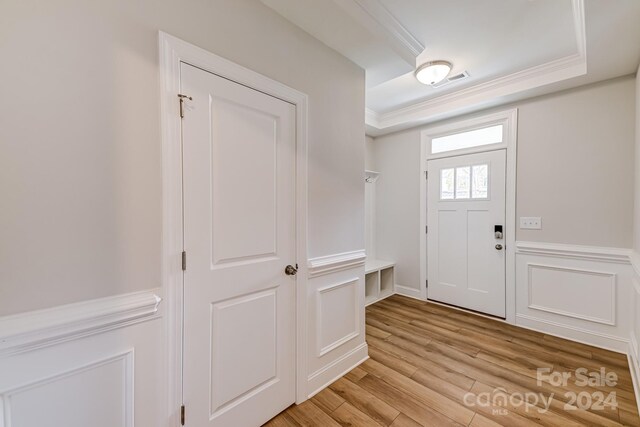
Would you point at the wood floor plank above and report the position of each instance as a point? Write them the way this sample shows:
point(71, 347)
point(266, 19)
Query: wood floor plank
point(429, 397)
point(375, 332)
point(307, 414)
point(355, 374)
point(443, 372)
point(348, 416)
point(327, 400)
point(402, 366)
point(612, 357)
point(428, 360)
point(481, 421)
point(391, 349)
point(282, 420)
point(404, 421)
point(405, 403)
point(532, 413)
point(629, 419)
point(406, 331)
point(424, 329)
point(368, 403)
point(498, 376)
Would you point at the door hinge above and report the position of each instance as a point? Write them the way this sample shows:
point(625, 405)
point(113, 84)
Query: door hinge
point(426, 174)
point(426, 229)
point(182, 410)
point(426, 283)
point(182, 98)
point(184, 260)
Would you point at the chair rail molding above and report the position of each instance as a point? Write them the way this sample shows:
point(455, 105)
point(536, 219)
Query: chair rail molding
point(634, 258)
point(336, 262)
point(41, 328)
point(588, 253)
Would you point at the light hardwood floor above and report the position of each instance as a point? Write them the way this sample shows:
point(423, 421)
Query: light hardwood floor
point(432, 365)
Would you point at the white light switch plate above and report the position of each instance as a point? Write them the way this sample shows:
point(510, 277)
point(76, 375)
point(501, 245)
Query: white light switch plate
point(531, 222)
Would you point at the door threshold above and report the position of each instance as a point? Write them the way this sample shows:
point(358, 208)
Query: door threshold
point(468, 310)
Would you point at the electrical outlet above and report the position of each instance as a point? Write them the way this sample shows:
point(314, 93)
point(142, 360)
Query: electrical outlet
point(531, 222)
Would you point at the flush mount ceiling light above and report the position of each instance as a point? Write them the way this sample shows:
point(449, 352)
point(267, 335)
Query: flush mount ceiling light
point(433, 72)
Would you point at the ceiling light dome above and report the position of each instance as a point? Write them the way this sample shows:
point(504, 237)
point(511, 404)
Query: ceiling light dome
point(433, 72)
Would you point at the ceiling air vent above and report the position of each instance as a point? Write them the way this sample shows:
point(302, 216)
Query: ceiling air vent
point(463, 75)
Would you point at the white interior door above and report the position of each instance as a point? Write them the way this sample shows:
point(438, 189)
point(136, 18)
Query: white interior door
point(239, 234)
point(466, 260)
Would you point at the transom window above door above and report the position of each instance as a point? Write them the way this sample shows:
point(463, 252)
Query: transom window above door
point(474, 135)
point(465, 182)
point(468, 139)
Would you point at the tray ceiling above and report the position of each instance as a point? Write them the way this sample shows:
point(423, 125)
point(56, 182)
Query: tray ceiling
point(511, 49)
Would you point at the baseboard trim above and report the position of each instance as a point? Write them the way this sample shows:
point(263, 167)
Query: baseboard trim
point(41, 328)
point(572, 333)
point(408, 292)
point(336, 262)
point(634, 367)
point(320, 379)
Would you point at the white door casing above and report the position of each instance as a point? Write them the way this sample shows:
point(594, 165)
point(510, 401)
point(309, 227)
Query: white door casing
point(465, 267)
point(239, 154)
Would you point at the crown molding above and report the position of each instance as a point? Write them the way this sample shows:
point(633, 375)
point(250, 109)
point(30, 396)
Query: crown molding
point(571, 66)
point(374, 16)
point(372, 118)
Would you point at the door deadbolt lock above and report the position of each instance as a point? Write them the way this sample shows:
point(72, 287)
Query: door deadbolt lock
point(499, 247)
point(290, 270)
point(497, 229)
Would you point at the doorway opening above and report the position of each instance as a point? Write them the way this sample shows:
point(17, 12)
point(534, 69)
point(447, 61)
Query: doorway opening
point(467, 218)
point(177, 59)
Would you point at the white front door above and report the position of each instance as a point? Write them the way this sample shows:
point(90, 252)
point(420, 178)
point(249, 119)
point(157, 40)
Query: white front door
point(239, 235)
point(465, 205)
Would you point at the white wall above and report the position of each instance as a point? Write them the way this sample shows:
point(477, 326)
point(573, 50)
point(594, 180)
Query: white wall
point(80, 137)
point(575, 165)
point(369, 159)
point(636, 216)
point(369, 201)
point(575, 169)
point(397, 157)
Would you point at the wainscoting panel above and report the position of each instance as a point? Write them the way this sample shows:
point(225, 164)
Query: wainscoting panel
point(335, 339)
point(576, 292)
point(100, 395)
point(582, 294)
point(634, 349)
point(333, 330)
point(85, 368)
